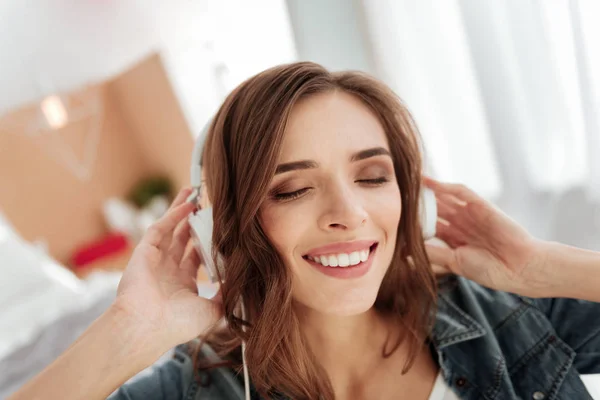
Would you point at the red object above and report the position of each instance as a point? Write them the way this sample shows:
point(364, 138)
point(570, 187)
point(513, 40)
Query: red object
point(106, 246)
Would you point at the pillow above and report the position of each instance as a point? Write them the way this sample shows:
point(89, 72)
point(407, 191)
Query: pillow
point(34, 289)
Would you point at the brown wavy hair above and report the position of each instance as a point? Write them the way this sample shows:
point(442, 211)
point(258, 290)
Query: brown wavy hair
point(240, 158)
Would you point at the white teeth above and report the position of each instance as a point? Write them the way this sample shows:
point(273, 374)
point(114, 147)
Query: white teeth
point(342, 259)
point(364, 255)
point(333, 261)
point(354, 258)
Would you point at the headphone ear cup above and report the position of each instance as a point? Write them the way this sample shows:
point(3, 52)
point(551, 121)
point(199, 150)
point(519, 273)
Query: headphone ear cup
point(428, 213)
point(201, 225)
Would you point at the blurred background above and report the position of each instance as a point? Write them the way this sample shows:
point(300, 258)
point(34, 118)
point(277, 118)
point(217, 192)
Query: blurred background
point(100, 103)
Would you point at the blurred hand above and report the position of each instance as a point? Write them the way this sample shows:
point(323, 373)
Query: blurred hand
point(484, 245)
point(158, 291)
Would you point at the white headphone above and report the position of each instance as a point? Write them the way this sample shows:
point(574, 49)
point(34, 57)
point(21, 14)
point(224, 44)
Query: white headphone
point(201, 224)
point(201, 221)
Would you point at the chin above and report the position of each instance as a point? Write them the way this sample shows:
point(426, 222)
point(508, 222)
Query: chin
point(356, 308)
point(342, 303)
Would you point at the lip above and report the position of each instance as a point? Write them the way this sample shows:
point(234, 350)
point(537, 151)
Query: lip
point(341, 247)
point(354, 271)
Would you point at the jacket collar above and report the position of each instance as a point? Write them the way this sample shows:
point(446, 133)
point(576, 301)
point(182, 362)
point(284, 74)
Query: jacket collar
point(453, 325)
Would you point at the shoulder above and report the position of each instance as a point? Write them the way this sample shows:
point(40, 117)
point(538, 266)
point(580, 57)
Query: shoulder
point(505, 343)
point(482, 304)
point(177, 378)
point(494, 308)
point(467, 311)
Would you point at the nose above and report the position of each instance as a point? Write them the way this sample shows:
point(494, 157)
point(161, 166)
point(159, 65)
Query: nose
point(343, 210)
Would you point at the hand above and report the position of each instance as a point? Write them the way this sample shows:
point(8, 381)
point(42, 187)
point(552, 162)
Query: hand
point(158, 291)
point(484, 245)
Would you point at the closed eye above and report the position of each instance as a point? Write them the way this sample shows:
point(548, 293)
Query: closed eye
point(375, 181)
point(298, 193)
point(290, 195)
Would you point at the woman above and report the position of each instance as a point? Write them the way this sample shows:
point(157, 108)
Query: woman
point(314, 179)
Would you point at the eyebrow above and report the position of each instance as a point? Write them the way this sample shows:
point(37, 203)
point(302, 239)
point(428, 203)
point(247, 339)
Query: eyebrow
point(309, 164)
point(364, 154)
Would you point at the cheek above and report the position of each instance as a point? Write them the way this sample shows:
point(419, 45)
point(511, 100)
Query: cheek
point(286, 227)
point(386, 210)
point(283, 229)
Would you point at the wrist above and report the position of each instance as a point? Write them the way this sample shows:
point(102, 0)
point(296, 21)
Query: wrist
point(137, 339)
point(567, 272)
point(541, 272)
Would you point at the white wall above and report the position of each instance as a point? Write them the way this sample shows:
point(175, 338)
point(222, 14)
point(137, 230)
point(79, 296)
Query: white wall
point(331, 33)
point(61, 45)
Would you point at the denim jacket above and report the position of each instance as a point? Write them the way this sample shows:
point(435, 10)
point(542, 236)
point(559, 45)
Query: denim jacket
point(489, 345)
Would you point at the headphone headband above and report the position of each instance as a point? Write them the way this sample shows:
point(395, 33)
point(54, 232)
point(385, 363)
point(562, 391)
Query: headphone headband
point(196, 167)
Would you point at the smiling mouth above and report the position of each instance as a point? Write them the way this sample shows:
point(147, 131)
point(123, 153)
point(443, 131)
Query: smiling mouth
point(343, 260)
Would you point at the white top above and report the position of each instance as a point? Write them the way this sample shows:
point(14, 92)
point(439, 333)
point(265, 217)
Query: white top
point(441, 391)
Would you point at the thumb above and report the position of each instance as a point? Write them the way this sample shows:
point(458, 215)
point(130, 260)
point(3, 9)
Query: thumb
point(442, 258)
point(218, 297)
point(439, 270)
point(197, 315)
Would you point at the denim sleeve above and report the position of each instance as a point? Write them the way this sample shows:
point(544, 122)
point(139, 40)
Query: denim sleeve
point(577, 323)
point(161, 382)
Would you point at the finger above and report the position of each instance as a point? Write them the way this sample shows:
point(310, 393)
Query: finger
point(180, 240)
point(482, 213)
point(439, 270)
point(442, 257)
point(447, 208)
point(160, 233)
point(181, 196)
point(450, 234)
point(218, 297)
point(190, 262)
point(208, 313)
point(460, 191)
point(194, 315)
point(458, 214)
point(179, 199)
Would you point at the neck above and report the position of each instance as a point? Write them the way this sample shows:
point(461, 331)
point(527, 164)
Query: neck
point(347, 347)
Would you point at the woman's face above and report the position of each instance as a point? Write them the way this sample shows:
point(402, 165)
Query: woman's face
point(334, 205)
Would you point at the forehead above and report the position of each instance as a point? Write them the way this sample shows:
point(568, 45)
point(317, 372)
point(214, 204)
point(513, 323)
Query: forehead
point(328, 123)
